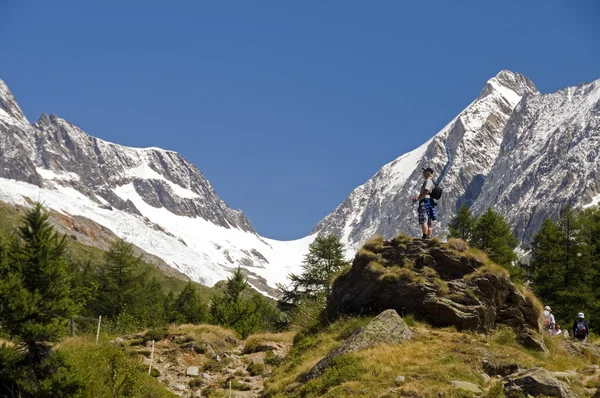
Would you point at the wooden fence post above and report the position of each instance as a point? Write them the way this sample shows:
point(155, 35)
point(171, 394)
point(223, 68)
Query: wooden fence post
point(151, 358)
point(72, 327)
point(98, 332)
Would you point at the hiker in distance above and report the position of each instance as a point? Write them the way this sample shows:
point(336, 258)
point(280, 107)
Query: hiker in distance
point(581, 330)
point(426, 209)
point(549, 320)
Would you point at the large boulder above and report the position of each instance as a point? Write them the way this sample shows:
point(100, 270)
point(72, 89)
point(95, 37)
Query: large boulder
point(386, 328)
point(536, 382)
point(443, 284)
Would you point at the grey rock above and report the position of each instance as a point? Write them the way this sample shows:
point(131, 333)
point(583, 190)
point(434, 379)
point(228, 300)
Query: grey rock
point(400, 380)
point(531, 339)
point(499, 369)
point(192, 371)
point(466, 386)
point(385, 328)
point(485, 378)
point(477, 303)
point(536, 381)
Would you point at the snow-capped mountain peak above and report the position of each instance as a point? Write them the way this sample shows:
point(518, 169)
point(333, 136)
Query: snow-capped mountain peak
point(152, 197)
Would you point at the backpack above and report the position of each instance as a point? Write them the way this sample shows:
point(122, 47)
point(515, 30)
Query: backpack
point(436, 192)
point(547, 321)
point(580, 329)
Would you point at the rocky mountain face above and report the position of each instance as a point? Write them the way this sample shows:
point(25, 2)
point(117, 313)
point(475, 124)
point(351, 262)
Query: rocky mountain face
point(152, 197)
point(513, 149)
point(549, 158)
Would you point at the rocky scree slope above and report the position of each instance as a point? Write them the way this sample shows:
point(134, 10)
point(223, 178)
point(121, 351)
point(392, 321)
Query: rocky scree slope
point(151, 197)
point(523, 153)
point(442, 284)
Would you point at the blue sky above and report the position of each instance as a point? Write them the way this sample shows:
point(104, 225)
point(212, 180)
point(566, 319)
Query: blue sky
point(284, 106)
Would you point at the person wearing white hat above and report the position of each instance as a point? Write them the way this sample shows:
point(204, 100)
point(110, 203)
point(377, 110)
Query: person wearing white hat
point(581, 330)
point(549, 320)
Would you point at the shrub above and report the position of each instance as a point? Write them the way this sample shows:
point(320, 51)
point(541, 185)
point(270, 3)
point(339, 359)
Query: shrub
point(155, 334)
point(235, 385)
point(256, 368)
point(272, 359)
point(196, 383)
point(410, 320)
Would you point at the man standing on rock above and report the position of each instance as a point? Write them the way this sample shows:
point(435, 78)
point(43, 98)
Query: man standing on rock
point(581, 328)
point(426, 208)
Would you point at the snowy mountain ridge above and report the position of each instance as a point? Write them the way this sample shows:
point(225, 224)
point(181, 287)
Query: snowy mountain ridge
point(151, 197)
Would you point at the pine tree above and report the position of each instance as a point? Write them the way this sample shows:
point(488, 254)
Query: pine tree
point(36, 302)
point(121, 281)
point(241, 309)
point(228, 310)
point(461, 226)
point(324, 260)
point(35, 283)
point(493, 235)
point(564, 264)
point(188, 307)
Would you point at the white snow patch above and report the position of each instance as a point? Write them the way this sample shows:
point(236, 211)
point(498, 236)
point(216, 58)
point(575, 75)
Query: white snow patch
point(57, 176)
point(209, 252)
point(145, 172)
point(595, 201)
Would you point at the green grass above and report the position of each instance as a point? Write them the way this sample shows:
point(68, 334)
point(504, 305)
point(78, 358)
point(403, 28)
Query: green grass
point(110, 371)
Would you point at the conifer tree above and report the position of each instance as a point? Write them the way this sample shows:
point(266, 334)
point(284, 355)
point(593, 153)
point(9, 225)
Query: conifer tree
point(461, 226)
point(188, 307)
point(324, 260)
point(35, 306)
point(241, 309)
point(493, 235)
point(35, 283)
point(564, 264)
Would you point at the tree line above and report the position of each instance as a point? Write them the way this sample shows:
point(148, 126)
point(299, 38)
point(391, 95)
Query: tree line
point(42, 288)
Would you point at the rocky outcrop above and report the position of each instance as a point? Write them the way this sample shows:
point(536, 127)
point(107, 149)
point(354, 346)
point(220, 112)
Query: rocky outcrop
point(536, 382)
point(442, 285)
point(386, 328)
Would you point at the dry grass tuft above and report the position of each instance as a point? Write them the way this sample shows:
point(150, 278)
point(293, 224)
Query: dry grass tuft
point(458, 244)
point(375, 244)
point(442, 286)
point(220, 339)
point(532, 298)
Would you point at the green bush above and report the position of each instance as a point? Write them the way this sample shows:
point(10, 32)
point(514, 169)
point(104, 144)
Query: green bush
point(155, 334)
point(109, 371)
point(235, 385)
point(272, 359)
point(256, 368)
point(196, 383)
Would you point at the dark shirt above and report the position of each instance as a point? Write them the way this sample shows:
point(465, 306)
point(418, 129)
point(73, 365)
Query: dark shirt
point(587, 328)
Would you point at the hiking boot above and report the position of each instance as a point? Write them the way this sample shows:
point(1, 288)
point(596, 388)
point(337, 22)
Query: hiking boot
point(424, 237)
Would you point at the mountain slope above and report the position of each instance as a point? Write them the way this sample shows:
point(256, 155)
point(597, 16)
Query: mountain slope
point(462, 154)
point(153, 198)
point(549, 157)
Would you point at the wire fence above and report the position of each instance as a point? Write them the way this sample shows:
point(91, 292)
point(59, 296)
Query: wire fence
point(87, 326)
